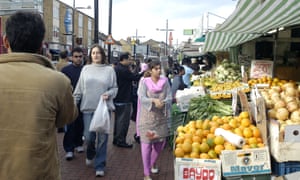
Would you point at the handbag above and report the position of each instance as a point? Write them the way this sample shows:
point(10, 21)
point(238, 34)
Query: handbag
point(101, 118)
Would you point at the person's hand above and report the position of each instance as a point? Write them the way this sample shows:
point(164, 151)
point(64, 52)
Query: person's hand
point(105, 96)
point(158, 103)
point(151, 135)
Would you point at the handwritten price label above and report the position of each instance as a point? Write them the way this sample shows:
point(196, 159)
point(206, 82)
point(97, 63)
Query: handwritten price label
point(261, 68)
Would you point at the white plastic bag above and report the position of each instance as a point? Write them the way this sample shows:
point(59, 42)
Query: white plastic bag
point(101, 119)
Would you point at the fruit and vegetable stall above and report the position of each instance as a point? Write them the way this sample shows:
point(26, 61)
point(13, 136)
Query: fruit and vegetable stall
point(237, 129)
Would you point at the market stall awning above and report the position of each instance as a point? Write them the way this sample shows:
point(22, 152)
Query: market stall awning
point(251, 19)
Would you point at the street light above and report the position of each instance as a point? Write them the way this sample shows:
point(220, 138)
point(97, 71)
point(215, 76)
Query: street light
point(73, 20)
point(134, 44)
point(167, 30)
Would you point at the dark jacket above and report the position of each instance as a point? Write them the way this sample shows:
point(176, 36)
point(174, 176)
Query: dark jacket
point(124, 81)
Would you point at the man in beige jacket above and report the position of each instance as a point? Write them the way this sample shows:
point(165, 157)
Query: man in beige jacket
point(35, 100)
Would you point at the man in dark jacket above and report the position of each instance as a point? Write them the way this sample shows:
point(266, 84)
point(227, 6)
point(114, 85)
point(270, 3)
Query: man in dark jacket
point(123, 100)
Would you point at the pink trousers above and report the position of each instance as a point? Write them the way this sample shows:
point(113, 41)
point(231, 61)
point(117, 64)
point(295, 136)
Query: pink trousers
point(150, 153)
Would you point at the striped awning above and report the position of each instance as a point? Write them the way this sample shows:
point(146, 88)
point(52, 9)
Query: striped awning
point(252, 19)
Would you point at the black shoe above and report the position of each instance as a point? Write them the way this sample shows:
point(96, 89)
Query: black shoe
point(123, 145)
point(137, 138)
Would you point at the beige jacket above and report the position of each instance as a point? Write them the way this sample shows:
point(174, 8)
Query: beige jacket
point(34, 100)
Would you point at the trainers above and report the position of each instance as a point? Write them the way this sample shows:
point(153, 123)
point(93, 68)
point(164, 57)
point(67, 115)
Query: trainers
point(69, 156)
point(154, 170)
point(147, 178)
point(80, 149)
point(88, 162)
point(99, 173)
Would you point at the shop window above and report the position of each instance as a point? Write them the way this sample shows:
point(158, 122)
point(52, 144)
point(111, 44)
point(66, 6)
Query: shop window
point(264, 50)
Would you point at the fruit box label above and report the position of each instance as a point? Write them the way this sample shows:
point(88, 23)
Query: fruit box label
point(246, 162)
point(197, 169)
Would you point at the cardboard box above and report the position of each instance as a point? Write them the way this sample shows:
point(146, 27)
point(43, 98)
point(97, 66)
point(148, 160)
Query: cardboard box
point(246, 162)
point(284, 146)
point(197, 169)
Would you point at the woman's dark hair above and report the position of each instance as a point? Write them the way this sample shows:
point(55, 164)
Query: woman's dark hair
point(154, 63)
point(103, 57)
point(25, 31)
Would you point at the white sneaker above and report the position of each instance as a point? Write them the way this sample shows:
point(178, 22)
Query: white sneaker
point(69, 156)
point(89, 162)
point(154, 170)
point(80, 149)
point(99, 173)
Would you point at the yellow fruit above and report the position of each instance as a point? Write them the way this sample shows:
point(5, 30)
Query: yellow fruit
point(194, 155)
point(204, 147)
point(245, 122)
point(212, 154)
point(233, 123)
point(247, 133)
point(204, 156)
point(199, 133)
point(187, 147)
point(244, 114)
point(252, 140)
point(210, 142)
point(230, 147)
point(219, 140)
point(179, 140)
point(196, 139)
point(256, 132)
point(219, 148)
point(179, 152)
point(199, 124)
point(180, 128)
point(196, 147)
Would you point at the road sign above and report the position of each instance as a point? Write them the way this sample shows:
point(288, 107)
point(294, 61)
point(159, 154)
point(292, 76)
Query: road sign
point(109, 40)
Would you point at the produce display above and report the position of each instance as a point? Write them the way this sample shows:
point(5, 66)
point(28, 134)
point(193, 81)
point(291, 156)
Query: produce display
point(283, 103)
point(204, 107)
point(228, 72)
point(197, 139)
point(266, 80)
point(224, 90)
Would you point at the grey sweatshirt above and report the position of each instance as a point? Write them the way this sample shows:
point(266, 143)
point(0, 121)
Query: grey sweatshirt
point(95, 80)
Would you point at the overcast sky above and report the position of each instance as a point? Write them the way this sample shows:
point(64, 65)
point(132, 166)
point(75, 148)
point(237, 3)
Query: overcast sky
point(146, 16)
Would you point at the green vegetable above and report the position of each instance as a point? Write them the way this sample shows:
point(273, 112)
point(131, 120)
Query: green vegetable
point(203, 107)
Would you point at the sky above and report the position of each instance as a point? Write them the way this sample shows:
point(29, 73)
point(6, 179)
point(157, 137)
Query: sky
point(144, 17)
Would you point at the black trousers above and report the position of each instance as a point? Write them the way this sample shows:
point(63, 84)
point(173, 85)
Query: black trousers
point(73, 134)
point(122, 120)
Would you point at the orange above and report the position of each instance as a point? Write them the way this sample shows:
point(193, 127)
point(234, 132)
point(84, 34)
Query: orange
point(252, 140)
point(204, 156)
point(245, 122)
point(226, 126)
point(179, 140)
point(238, 131)
point(247, 132)
point(219, 140)
point(199, 133)
point(244, 114)
point(194, 155)
point(260, 145)
point(210, 142)
point(210, 135)
point(229, 147)
point(199, 124)
point(215, 118)
point(204, 147)
point(219, 148)
point(212, 154)
point(180, 128)
point(233, 123)
point(196, 139)
point(179, 152)
point(256, 132)
point(187, 147)
point(213, 129)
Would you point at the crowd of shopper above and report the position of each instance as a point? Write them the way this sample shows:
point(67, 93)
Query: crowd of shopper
point(40, 98)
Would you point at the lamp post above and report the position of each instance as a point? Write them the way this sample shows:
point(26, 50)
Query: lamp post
point(73, 20)
point(134, 44)
point(109, 30)
point(96, 23)
point(167, 30)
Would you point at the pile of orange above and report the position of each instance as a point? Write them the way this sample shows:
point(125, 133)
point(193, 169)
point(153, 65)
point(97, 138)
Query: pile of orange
point(266, 80)
point(197, 139)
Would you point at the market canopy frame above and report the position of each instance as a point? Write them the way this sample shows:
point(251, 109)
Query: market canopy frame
point(252, 19)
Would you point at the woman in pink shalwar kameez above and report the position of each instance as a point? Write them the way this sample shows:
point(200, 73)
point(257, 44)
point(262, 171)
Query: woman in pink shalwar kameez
point(155, 98)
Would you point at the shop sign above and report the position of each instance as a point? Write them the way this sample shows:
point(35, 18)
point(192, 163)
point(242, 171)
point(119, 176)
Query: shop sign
point(261, 68)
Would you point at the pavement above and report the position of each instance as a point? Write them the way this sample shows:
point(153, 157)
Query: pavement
point(122, 163)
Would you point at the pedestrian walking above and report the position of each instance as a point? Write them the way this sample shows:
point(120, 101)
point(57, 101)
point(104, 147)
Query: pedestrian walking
point(97, 79)
point(74, 131)
point(155, 102)
point(186, 63)
point(178, 83)
point(123, 100)
point(35, 100)
point(63, 60)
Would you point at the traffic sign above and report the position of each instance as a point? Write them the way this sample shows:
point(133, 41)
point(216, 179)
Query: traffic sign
point(109, 40)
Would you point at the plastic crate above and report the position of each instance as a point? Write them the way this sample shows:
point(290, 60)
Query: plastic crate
point(283, 168)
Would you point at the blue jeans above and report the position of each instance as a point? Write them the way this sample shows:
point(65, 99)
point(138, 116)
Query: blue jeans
point(97, 150)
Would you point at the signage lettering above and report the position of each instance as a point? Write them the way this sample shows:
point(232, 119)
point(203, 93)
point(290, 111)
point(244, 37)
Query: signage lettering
point(246, 168)
point(198, 173)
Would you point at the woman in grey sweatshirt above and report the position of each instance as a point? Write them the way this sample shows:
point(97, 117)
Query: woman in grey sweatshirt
point(97, 79)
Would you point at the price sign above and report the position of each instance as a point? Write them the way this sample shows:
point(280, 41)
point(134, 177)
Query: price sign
point(261, 68)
